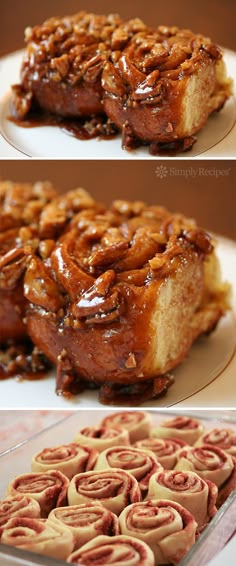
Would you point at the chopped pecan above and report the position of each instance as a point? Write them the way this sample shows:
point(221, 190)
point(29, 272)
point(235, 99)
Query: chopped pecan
point(40, 288)
point(106, 255)
point(200, 239)
point(21, 102)
point(157, 261)
point(151, 88)
point(60, 210)
point(74, 280)
point(111, 80)
point(131, 361)
point(119, 38)
point(142, 248)
point(130, 74)
point(45, 248)
point(99, 304)
point(128, 208)
point(176, 56)
point(12, 266)
point(61, 64)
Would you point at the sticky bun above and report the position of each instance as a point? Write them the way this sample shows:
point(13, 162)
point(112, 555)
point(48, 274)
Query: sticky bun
point(32, 216)
point(123, 295)
point(20, 209)
point(156, 86)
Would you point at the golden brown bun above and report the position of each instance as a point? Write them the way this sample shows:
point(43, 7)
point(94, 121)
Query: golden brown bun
point(164, 85)
point(157, 86)
point(123, 295)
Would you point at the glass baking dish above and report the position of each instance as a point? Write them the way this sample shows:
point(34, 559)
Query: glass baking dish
point(17, 460)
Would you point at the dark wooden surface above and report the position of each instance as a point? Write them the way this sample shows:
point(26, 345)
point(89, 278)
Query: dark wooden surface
point(215, 18)
point(204, 193)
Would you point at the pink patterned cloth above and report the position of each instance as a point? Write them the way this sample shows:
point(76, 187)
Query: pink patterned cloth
point(16, 426)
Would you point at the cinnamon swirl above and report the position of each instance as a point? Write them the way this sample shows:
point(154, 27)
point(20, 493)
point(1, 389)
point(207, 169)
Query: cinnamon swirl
point(187, 488)
point(167, 528)
point(70, 459)
point(119, 551)
point(210, 463)
point(49, 488)
point(114, 488)
point(86, 521)
point(137, 423)
point(38, 535)
point(183, 428)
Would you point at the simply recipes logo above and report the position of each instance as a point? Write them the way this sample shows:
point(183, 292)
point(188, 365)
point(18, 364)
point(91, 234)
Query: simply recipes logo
point(162, 171)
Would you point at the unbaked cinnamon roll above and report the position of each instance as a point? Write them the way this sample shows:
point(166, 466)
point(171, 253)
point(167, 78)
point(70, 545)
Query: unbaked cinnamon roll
point(114, 488)
point(115, 321)
point(167, 528)
point(185, 428)
point(137, 423)
point(18, 506)
point(70, 459)
point(224, 438)
point(165, 449)
point(210, 463)
point(38, 535)
point(187, 488)
point(139, 462)
point(119, 551)
point(86, 521)
point(49, 489)
point(102, 437)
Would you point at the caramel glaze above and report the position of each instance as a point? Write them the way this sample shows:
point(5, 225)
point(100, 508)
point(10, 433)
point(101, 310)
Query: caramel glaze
point(96, 126)
point(22, 360)
point(86, 65)
point(91, 312)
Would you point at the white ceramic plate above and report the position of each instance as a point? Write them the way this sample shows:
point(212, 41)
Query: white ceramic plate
point(208, 372)
point(217, 138)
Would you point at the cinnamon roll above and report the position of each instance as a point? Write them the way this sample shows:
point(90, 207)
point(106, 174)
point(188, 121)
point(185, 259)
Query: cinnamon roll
point(86, 521)
point(116, 321)
point(119, 551)
point(224, 438)
point(140, 463)
point(70, 459)
point(210, 463)
point(102, 437)
point(38, 535)
point(167, 528)
point(157, 86)
point(49, 489)
point(197, 495)
point(137, 423)
point(185, 428)
point(114, 488)
point(18, 506)
point(165, 449)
